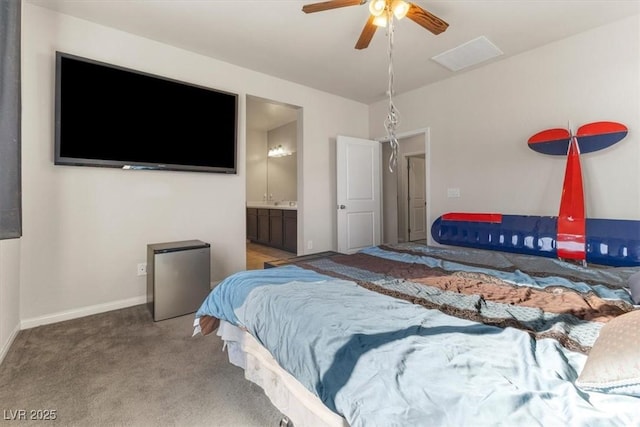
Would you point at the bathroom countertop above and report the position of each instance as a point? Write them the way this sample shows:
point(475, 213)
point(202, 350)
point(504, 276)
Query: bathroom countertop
point(286, 205)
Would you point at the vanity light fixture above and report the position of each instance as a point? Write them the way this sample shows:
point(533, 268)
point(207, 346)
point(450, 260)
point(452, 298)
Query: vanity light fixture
point(278, 151)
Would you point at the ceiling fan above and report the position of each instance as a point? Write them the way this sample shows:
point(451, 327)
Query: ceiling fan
point(378, 18)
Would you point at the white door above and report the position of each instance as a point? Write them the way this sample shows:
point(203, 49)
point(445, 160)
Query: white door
point(417, 198)
point(359, 181)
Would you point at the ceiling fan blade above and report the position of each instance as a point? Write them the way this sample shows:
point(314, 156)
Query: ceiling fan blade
point(367, 34)
point(426, 19)
point(327, 5)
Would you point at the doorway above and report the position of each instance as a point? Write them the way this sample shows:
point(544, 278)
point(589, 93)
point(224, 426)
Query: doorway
point(405, 194)
point(416, 201)
point(273, 134)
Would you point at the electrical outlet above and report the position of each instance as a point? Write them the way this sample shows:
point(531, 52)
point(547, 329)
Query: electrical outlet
point(310, 244)
point(142, 269)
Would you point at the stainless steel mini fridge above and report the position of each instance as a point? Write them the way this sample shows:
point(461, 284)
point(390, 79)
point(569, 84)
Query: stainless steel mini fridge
point(178, 277)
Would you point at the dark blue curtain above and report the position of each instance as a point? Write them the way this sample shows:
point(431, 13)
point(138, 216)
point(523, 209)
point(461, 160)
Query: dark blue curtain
point(10, 106)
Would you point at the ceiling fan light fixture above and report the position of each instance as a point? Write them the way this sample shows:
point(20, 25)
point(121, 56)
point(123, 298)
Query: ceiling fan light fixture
point(376, 7)
point(399, 8)
point(380, 21)
point(382, 14)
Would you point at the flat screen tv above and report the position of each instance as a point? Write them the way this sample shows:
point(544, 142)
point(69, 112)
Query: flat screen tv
point(111, 116)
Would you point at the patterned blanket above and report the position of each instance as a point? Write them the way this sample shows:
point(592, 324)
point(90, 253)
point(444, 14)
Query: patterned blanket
point(567, 309)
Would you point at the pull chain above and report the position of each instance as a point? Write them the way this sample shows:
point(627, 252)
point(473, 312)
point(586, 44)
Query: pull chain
point(393, 118)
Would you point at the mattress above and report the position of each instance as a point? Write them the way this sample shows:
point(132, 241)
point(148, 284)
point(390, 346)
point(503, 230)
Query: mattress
point(301, 406)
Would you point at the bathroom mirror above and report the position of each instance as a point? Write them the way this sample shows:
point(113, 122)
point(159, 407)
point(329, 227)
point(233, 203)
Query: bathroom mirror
point(282, 163)
point(271, 126)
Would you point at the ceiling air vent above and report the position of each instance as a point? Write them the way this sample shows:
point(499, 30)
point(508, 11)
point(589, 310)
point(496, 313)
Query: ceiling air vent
point(467, 54)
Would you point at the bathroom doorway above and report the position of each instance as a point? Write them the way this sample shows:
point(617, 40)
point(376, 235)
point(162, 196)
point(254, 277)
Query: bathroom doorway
point(272, 165)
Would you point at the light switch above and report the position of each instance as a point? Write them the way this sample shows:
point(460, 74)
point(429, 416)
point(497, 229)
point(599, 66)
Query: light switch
point(453, 192)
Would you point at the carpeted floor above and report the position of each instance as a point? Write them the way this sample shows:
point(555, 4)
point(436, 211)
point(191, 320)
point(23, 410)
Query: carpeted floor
point(122, 369)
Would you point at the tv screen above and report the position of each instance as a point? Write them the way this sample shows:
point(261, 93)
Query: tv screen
point(111, 116)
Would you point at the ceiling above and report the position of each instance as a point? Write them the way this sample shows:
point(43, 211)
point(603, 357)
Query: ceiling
point(275, 37)
point(265, 115)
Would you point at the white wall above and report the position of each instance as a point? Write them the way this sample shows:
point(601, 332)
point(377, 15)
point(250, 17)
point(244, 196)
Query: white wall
point(85, 229)
point(9, 293)
point(256, 165)
point(481, 120)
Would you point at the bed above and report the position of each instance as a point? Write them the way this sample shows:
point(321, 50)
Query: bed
point(413, 335)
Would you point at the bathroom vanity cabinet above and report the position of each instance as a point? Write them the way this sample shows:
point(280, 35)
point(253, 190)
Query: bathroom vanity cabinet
point(273, 227)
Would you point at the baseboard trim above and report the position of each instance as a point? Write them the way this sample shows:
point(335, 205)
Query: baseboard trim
point(7, 345)
point(81, 312)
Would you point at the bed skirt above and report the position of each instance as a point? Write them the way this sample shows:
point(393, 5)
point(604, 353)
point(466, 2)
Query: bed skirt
point(301, 406)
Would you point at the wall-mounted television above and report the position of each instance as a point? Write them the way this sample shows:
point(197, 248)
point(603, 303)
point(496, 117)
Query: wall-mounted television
point(110, 116)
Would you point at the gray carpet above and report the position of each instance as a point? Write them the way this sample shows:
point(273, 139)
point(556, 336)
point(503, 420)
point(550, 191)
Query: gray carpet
point(122, 369)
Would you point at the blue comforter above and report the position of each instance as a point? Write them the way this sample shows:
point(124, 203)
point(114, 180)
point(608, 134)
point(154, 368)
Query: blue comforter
point(382, 361)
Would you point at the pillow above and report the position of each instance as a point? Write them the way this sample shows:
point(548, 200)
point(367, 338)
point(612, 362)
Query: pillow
point(634, 285)
point(613, 364)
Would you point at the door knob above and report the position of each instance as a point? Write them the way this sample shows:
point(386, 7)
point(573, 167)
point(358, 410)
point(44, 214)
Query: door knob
point(342, 207)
